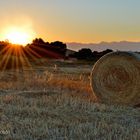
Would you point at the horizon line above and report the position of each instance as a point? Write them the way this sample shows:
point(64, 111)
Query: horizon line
point(88, 43)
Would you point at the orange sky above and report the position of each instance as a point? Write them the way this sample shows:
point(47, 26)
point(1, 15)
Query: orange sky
point(73, 21)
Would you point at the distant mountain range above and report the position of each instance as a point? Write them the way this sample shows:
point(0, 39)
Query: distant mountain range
point(122, 46)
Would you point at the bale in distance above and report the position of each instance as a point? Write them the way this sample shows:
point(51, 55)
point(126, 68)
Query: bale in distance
point(115, 78)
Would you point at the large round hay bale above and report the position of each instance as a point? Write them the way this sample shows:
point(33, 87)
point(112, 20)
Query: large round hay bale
point(115, 78)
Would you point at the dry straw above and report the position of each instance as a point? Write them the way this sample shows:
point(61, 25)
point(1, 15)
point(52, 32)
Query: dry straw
point(115, 78)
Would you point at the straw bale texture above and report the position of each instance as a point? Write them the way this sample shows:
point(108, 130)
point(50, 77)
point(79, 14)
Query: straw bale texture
point(115, 78)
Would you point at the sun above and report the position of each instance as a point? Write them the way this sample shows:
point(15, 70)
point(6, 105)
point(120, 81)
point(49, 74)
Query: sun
point(17, 35)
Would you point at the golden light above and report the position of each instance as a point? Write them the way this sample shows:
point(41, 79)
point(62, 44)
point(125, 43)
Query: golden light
point(18, 35)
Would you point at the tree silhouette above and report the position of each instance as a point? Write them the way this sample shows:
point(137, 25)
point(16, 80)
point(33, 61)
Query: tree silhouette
point(38, 41)
point(59, 47)
point(84, 53)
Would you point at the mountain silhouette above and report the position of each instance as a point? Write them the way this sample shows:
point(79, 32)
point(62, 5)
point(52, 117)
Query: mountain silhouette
point(122, 46)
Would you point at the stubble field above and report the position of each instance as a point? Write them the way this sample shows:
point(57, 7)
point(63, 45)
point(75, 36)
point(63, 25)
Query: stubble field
point(55, 102)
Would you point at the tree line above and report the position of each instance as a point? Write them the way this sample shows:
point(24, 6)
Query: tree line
point(57, 50)
point(88, 54)
point(38, 48)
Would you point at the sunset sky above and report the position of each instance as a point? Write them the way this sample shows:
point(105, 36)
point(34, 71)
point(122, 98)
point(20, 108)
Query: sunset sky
point(83, 21)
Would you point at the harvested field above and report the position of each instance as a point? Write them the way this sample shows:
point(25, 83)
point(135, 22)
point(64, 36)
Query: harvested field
point(42, 103)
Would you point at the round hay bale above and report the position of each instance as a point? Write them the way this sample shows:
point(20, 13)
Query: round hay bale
point(115, 78)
